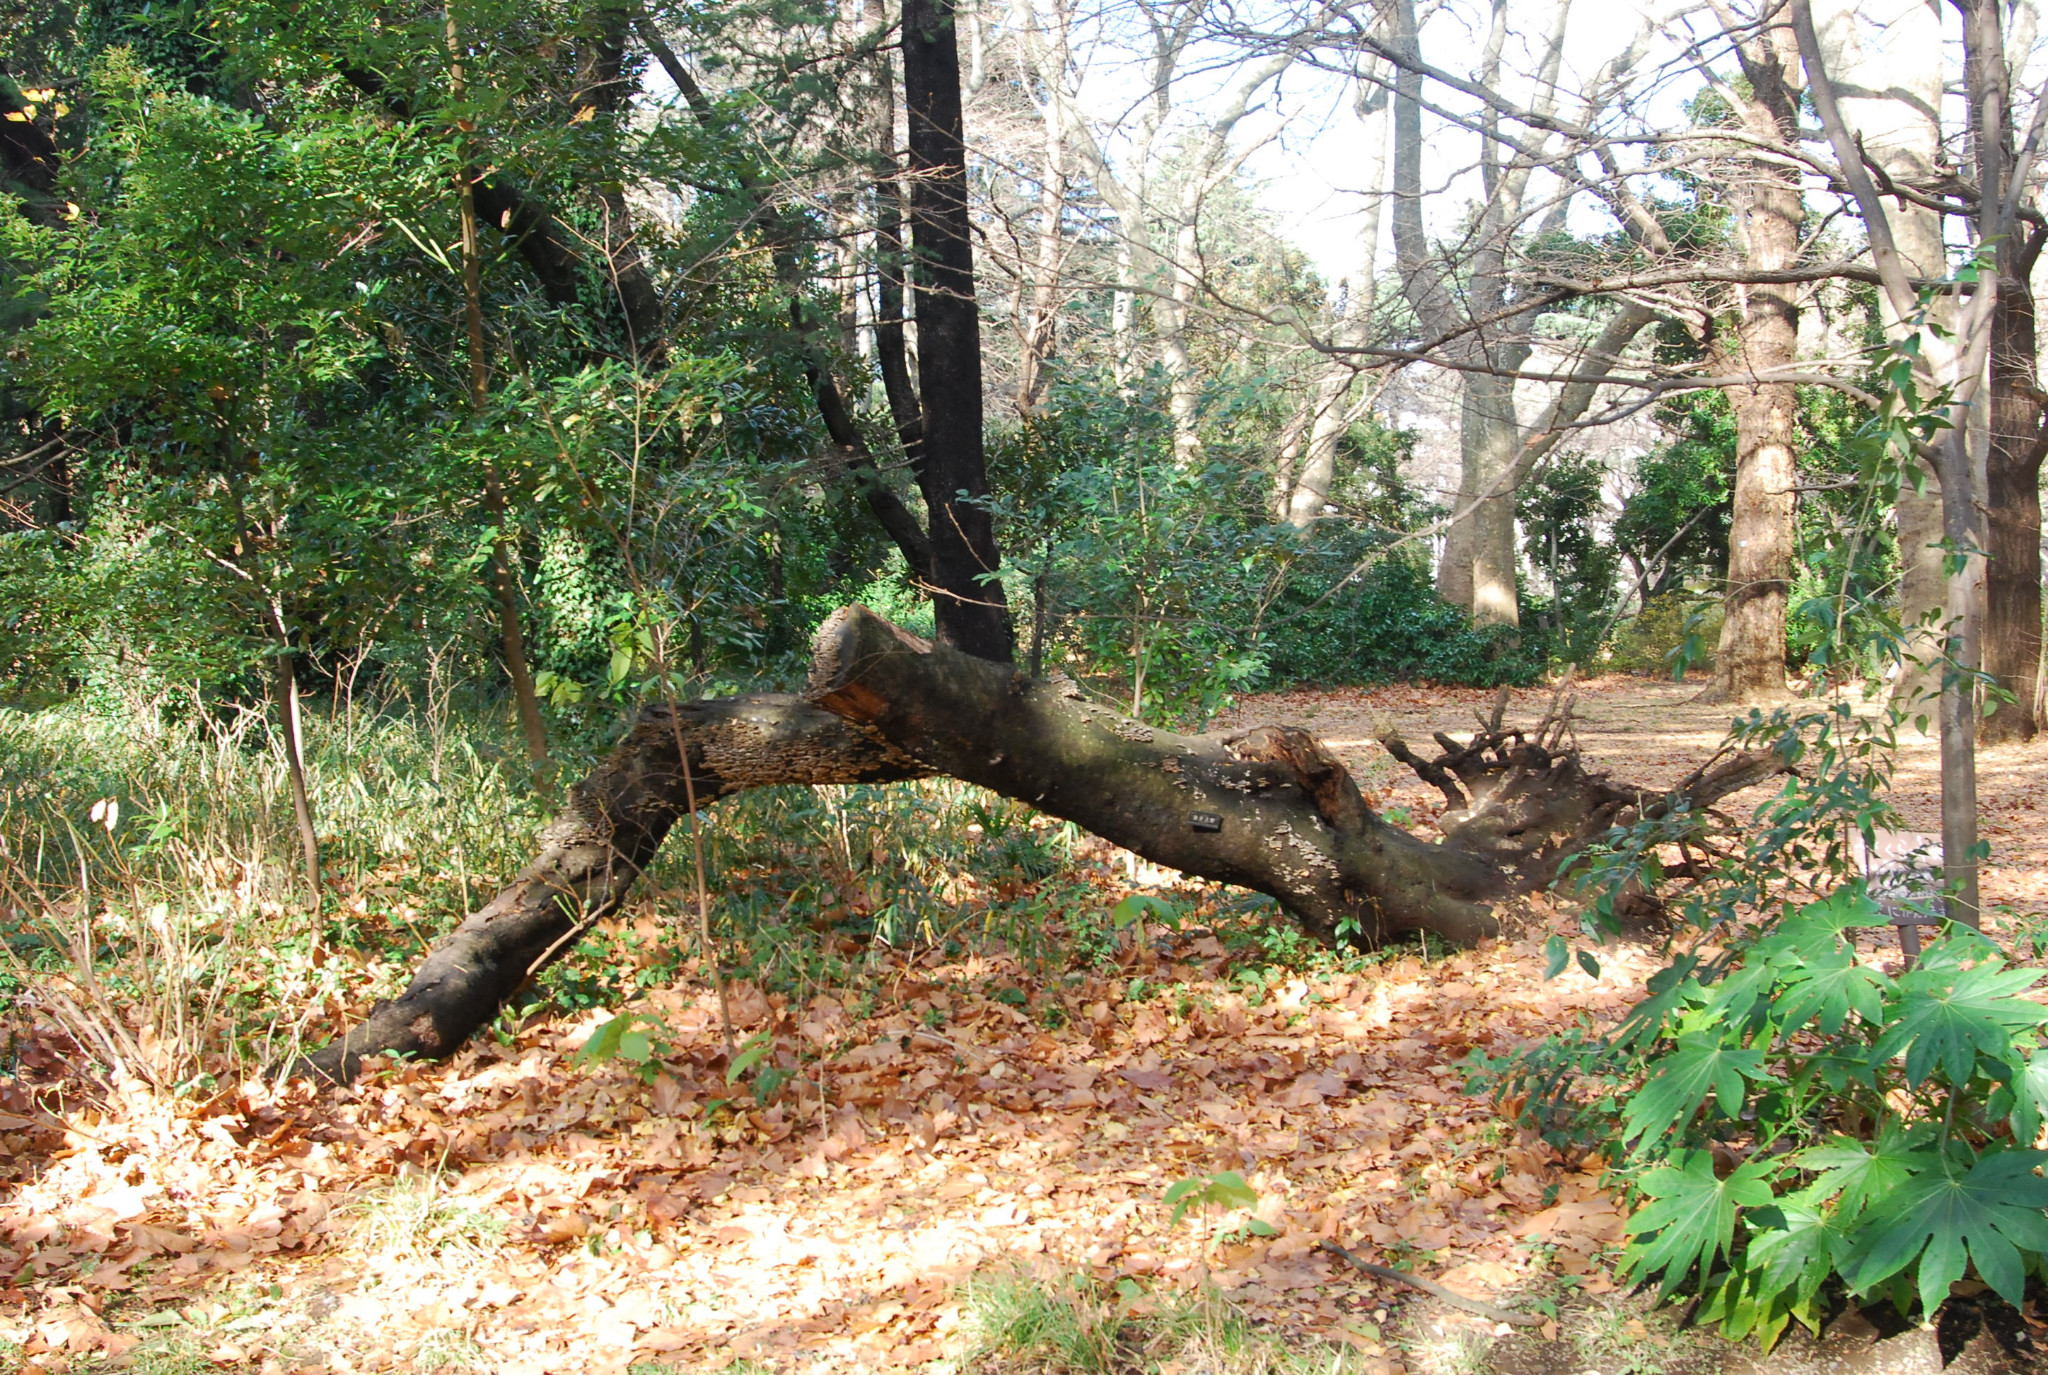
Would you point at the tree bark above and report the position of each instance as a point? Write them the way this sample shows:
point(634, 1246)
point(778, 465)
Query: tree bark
point(2017, 439)
point(1478, 569)
point(1749, 666)
point(1888, 64)
point(1268, 809)
point(968, 602)
point(291, 725)
point(2012, 590)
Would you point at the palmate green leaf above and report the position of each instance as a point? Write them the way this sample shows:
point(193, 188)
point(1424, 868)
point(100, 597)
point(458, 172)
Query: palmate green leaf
point(1733, 997)
point(1833, 985)
point(1692, 1221)
point(1861, 1171)
point(2030, 1099)
point(1794, 1254)
point(1817, 929)
point(1945, 1016)
point(1683, 1079)
point(1949, 1221)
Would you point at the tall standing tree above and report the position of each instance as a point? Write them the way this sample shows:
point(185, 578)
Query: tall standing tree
point(1764, 193)
point(969, 608)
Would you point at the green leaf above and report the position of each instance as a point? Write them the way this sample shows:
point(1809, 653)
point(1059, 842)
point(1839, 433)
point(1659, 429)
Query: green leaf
point(2030, 1099)
point(1556, 955)
point(1669, 988)
point(1863, 1171)
point(1683, 1079)
point(1986, 1217)
point(603, 1043)
point(1589, 964)
point(635, 1047)
point(1137, 906)
point(1946, 1016)
point(1229, 1190)
point(1794, 1255)
point(1833, 985)
point(1734, 996)
point(1692, 1221)
point(757, 1047)
point(1819, 928)
point(1226, 1189)
point(1259, 1227)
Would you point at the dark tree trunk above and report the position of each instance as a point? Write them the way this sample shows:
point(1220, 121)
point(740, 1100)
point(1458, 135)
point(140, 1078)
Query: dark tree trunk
point(904, 408)
point(29, 161)
point(968, 602)
point(2012, 496)
point(1268, 809)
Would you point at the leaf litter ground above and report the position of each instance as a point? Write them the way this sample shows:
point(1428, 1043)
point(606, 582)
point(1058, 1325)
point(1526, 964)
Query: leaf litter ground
point(518, 1211)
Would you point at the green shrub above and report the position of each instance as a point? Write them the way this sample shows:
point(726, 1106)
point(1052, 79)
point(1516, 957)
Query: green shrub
point(1648, 642)
point(1387, 626)
point(1791, 1120)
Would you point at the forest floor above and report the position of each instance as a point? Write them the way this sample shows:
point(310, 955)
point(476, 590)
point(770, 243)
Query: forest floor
point(963, 1169)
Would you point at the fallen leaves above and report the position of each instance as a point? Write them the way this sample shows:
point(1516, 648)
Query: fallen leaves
point(556, 1217)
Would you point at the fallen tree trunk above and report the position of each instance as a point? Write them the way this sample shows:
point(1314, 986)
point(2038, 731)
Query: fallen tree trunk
point(594, 849)
point(1268, 809)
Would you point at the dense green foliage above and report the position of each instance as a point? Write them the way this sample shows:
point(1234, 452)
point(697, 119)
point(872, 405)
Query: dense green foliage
point(1797, 1123)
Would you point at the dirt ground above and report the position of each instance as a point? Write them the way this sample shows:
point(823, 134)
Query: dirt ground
point(515, 1211)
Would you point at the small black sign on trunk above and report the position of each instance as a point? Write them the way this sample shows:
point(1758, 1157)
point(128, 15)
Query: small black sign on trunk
point(1205, 821)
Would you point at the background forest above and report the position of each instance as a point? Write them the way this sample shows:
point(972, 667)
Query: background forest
point(399, 401)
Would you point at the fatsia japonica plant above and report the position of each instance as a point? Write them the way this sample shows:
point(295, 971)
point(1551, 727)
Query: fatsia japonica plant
point(1782, 1110)
point(1794, 1122)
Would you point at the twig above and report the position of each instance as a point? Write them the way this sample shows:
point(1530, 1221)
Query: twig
point(1430, 1287)
point(709, 946)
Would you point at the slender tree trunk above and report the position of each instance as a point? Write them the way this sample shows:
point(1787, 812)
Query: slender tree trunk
point(1888, 61)
point(1958, 359)
point(285, 691)
point(968, 601)
point(1173, 314)
point(1306, 485)
point(1287, 456)
point(1318, 471)
point(1123, 316)
point(892, 354)
point(504, 590)
point(1041, 337)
